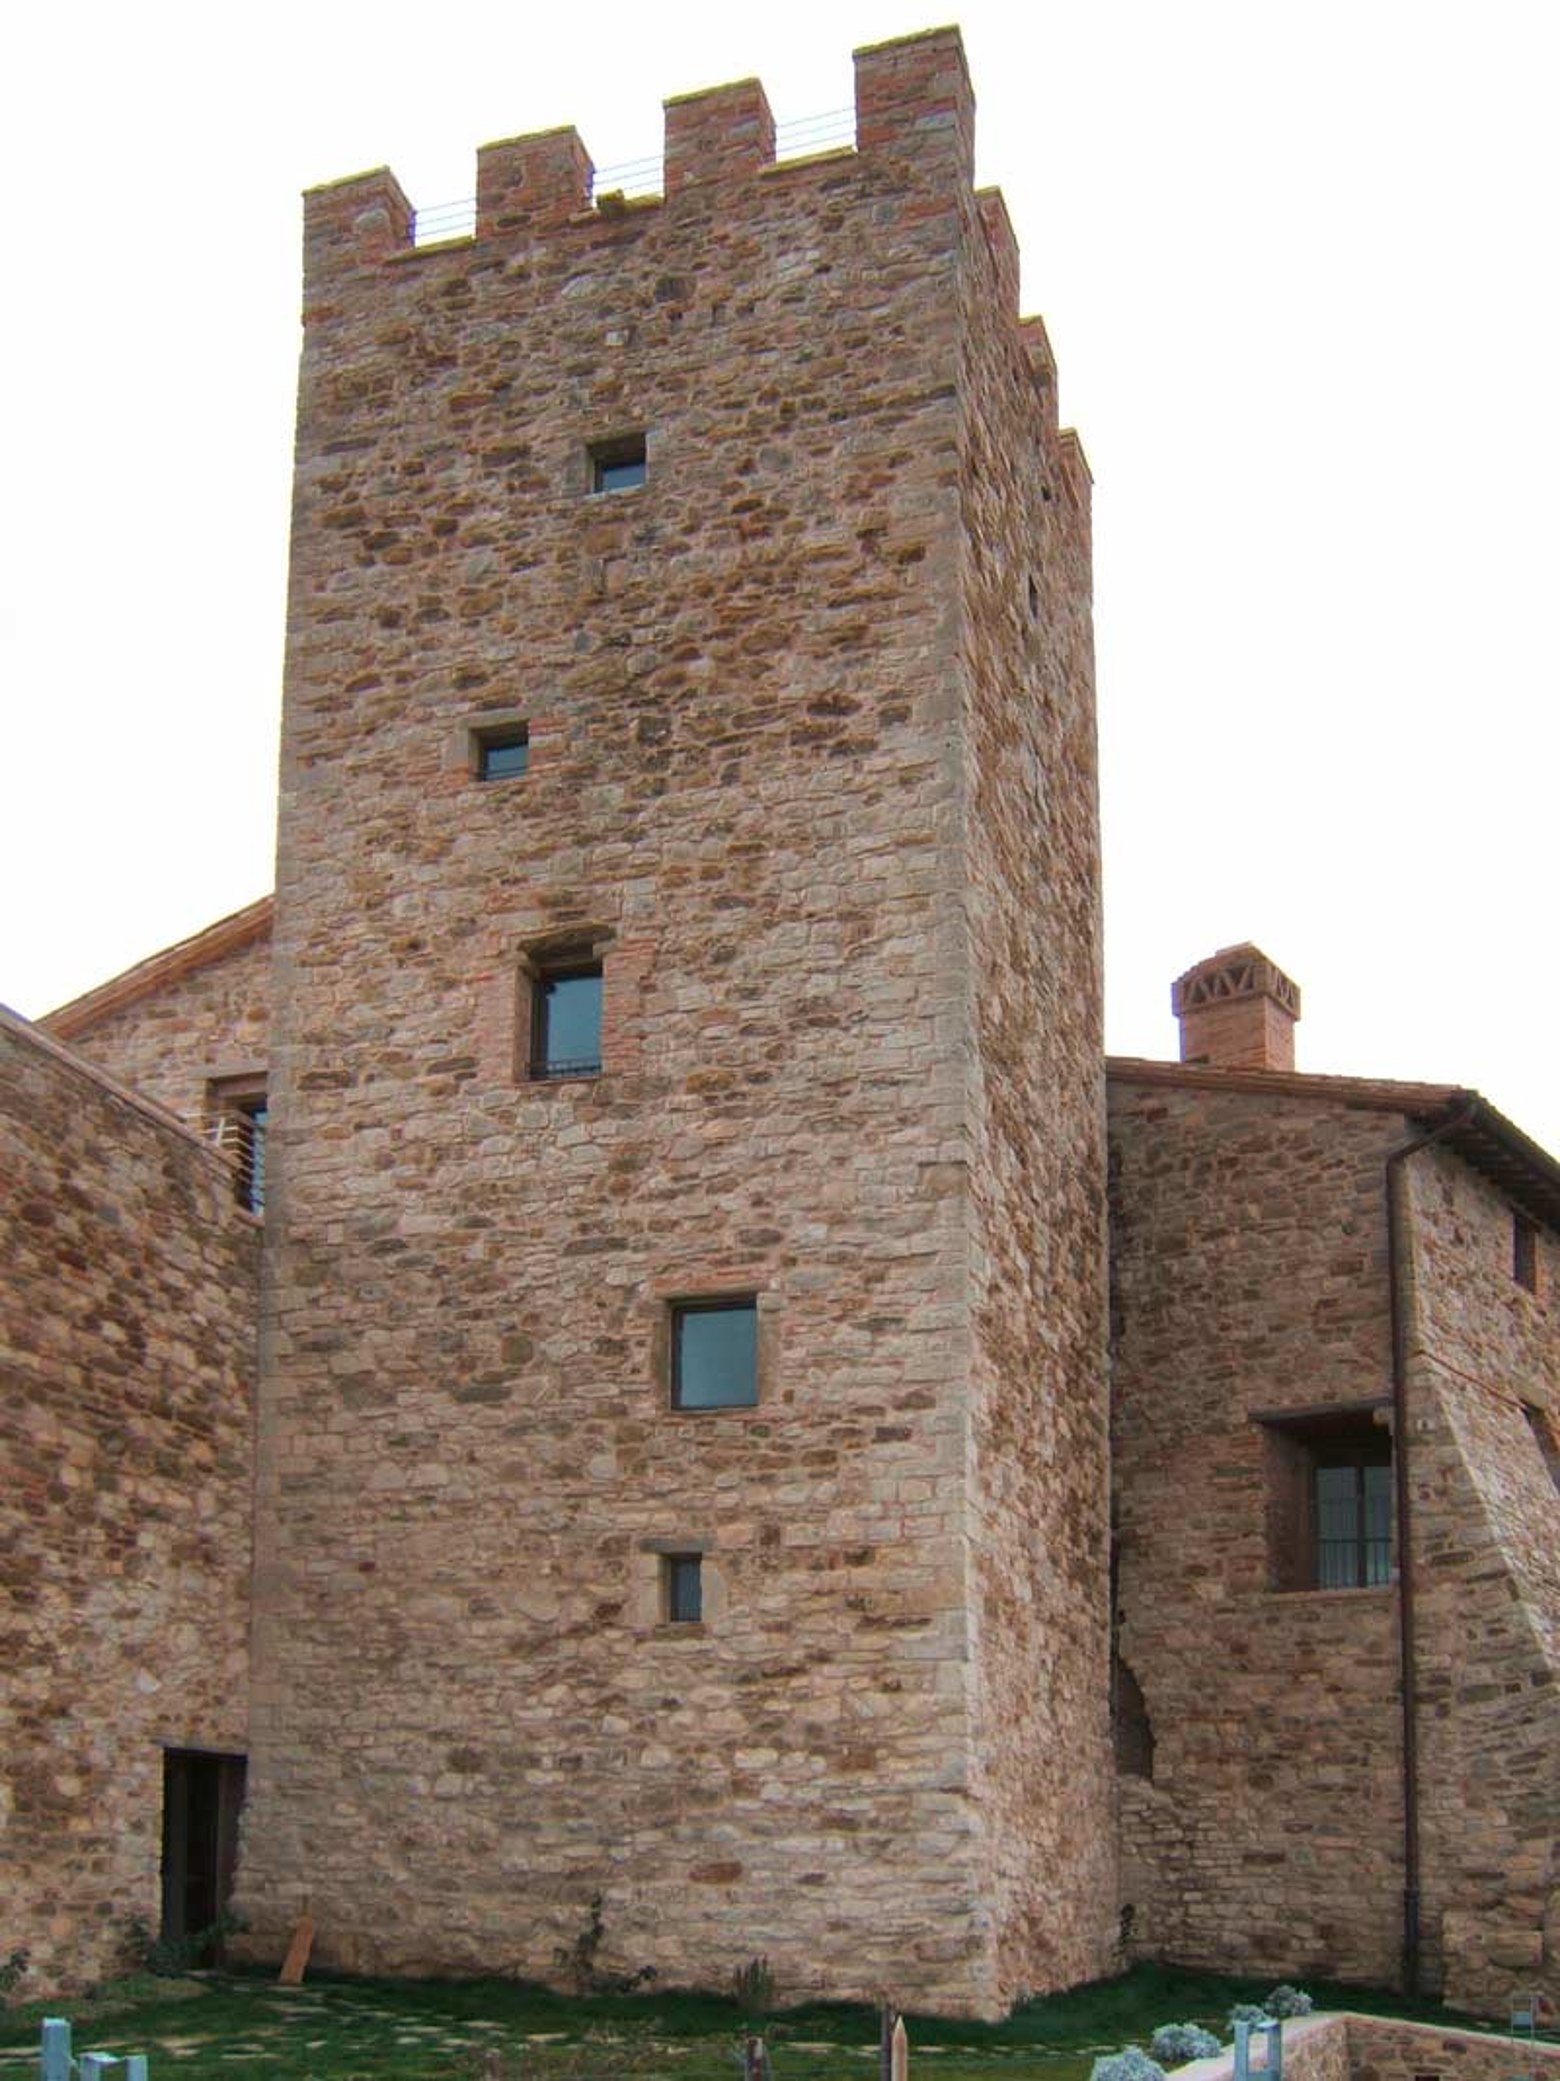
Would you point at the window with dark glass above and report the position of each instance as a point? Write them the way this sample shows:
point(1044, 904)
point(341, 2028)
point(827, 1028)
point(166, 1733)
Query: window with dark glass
point(682, 1578)
point(566, 1021)
point(715, 1354)
point(503, 754)
point(1353, 1523)
point(618, 465)
point(1524, 1252)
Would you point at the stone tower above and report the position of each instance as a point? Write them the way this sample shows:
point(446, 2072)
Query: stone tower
point(681, 1520)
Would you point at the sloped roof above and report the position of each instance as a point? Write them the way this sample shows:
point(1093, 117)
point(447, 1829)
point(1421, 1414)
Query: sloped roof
point(1461, 1120)
point(227, 936)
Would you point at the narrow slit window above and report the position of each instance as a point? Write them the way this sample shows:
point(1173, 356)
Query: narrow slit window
point(1524, 1252)
point(683, 1588)
point(237, 1115)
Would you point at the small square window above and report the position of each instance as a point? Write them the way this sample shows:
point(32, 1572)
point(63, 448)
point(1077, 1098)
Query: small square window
point(682, 1587)
point(1524, 1252)
point(502, 754)
point(566, 1021)
point(618, 465)
point(715, 1354)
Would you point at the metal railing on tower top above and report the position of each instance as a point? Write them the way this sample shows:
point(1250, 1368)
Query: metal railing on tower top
point(637, 178)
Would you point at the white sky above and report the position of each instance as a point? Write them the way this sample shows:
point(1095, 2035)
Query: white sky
point(1299, 267)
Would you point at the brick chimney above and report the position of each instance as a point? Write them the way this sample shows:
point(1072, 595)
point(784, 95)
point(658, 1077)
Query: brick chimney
point(1237, 1011)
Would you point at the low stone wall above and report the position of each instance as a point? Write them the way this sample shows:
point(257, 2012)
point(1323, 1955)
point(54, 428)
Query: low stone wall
point(1350, 2047)
point(1381, 2049)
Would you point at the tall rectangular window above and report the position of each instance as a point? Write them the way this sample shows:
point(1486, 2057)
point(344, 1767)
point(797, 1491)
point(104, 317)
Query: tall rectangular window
point(715, 1354)
point(1353, 1525)
point(1524, 1252)
point(566, 1021)
point(237, 1117)
point(682, 1582)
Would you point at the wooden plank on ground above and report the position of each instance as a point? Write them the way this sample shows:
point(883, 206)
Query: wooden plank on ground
point(297, 1952)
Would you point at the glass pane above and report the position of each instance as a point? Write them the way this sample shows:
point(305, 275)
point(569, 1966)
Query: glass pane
point(505, 757)
point(254, 1179)
point(1337, 1528)
point(1378, 1524)
point(684, 1589)
point(620, 476)
point(716, 1361)
point(570, 1037)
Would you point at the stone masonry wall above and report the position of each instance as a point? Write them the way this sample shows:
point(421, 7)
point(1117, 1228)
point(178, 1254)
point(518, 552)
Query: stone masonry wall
point(1040, 1416)
point(127, 1344)
point(1351, 2047)
point(1251, 1278)
point(1383, 2048)
point(748, 791)
point(1249, 1275)
point(1486, 1351)
point(212, 1022)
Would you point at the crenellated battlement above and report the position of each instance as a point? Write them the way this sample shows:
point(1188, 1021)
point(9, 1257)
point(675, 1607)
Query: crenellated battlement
point(913, 107)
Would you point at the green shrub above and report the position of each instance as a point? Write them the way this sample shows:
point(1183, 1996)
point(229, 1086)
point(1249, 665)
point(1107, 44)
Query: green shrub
point(1173, 2044)
point(1132, 2064)
point(1288, 2001)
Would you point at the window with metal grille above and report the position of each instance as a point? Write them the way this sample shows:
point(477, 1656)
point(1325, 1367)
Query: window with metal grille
point(237, 1116)
point(1329, 1498)
point(1353, 1523)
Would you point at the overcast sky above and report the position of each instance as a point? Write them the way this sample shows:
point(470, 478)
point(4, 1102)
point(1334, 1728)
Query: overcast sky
point(1299, 268)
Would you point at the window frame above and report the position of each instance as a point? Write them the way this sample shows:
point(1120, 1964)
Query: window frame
point(1298, 1446)
point(238, 1120)
point(608, 458)
point(687, 1307)
point(566, 965)
point(1524, 1252)
point(500, 737)
point(1362, 1559)
point(678, 1571)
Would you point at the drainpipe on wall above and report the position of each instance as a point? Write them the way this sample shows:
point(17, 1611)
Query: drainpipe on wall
point(1398, 1286)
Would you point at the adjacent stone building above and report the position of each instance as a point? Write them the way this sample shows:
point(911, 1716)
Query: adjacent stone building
point(1333, 1318)
point(127, 1318)
point(671, 1071)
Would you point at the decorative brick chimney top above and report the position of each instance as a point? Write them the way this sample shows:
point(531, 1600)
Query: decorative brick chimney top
point(1237, 1011)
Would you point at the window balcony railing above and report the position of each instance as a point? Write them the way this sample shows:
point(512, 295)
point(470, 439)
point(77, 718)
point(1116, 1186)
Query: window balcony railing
point(240, 1136)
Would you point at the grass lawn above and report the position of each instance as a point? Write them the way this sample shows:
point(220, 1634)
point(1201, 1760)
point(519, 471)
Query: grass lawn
point(243, 2027)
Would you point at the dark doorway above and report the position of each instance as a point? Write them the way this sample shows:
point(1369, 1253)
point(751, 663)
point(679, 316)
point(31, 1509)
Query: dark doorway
point(202, 1794)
